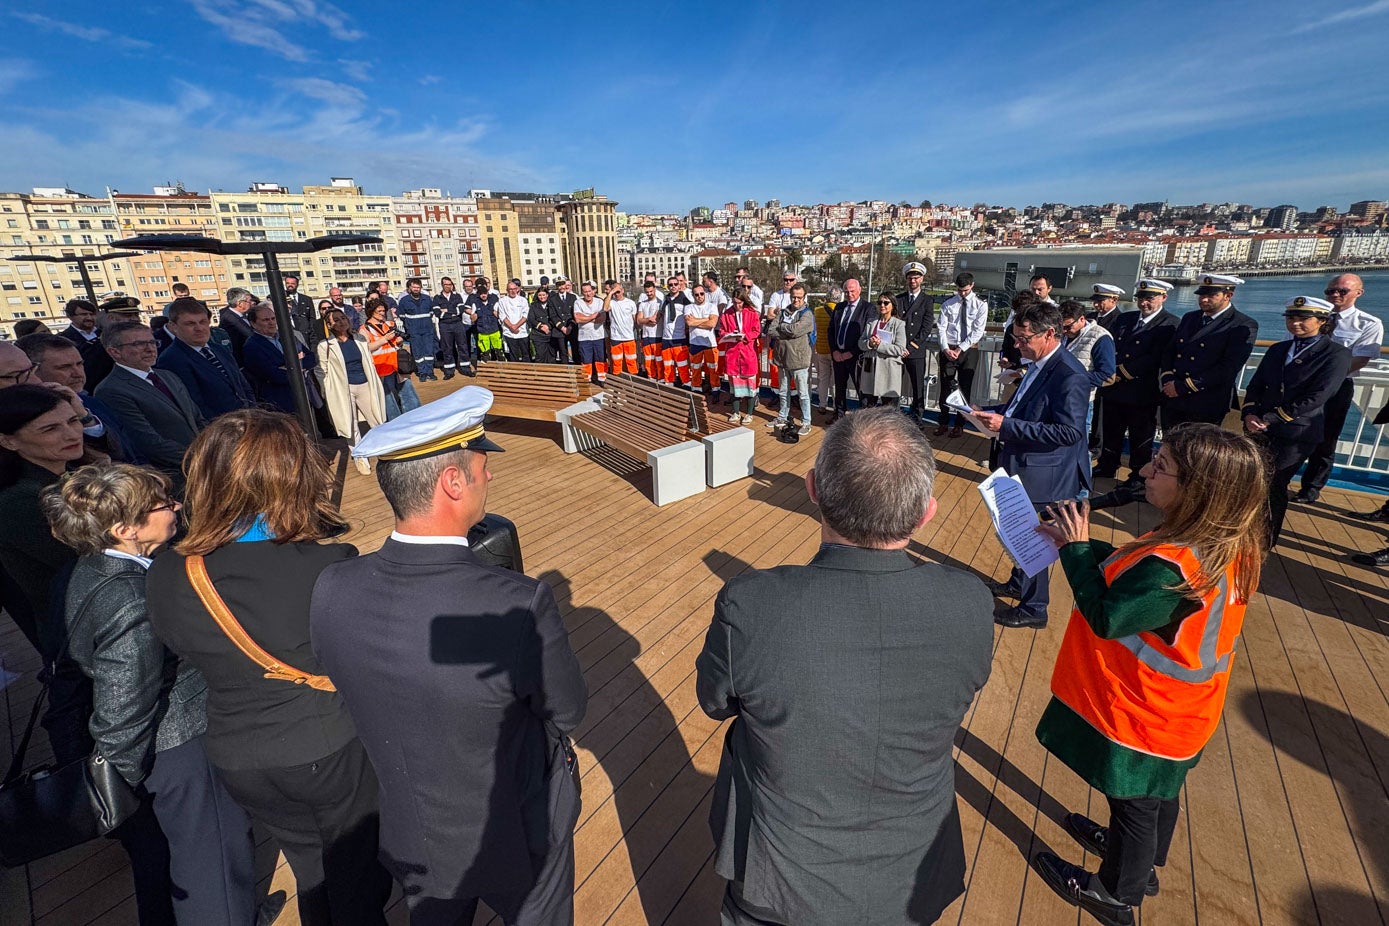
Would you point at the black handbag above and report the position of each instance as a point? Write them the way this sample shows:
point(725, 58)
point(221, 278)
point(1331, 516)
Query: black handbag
point(47, 810)
point(405, 361)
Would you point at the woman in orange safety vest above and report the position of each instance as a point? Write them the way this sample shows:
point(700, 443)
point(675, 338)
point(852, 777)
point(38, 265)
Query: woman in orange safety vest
point(1141, 676)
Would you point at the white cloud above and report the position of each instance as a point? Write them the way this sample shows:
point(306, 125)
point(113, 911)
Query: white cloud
point(1354, 13)
point(86, 33)
point(275, 25)
point(313, 129)
point(13, 72)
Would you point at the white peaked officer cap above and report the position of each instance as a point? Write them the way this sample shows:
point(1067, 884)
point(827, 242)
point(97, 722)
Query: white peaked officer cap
point(1106, 289)
point(914, 267)
point(1309, 305)
point(1155, 287)
point(1216, 282)
point(453, 422)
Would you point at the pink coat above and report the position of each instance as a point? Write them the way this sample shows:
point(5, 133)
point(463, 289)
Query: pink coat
point(741, 359)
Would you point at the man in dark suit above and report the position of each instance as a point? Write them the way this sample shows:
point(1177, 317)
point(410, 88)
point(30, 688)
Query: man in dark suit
point(233, 320)
point(846, 327)
point(918, 310)
point(208, 370)
point(566, 339)
point(1202, 364)
point(1042, 440)
point(302, 314)
point(83, 333)
point(478, 793)
point(264, 359)
point(805, 785)
point(57, 360)
point(155, 407)
point(1130, 400)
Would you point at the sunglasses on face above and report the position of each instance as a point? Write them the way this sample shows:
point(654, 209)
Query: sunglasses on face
point(1337, 291)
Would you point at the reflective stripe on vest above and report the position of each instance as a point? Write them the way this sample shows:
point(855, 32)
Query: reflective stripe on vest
point(1141, 692)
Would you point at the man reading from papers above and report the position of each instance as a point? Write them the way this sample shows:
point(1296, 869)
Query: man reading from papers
point(1041, 432)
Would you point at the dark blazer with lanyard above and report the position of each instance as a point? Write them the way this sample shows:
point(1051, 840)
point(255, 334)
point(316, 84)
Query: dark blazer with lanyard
point(460, 679)
point(1288, 393)
point(1203, 362)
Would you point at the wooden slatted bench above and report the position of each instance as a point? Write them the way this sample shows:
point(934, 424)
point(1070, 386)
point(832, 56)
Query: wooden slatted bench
point(652, 426)
point(532, 390)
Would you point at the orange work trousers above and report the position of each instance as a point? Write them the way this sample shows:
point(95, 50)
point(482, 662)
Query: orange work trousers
point(651, 358)
point(704, 362)
point(624, 355)
point(676, 360)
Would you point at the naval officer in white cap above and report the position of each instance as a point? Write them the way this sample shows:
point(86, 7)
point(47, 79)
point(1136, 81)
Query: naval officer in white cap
point(1104, 297)
point(1285, 402)
point(1202, 364)
point(917, 310)
point(461, 682)
point(1130, 400)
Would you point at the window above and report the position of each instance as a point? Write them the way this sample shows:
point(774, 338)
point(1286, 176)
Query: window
point(36, 300)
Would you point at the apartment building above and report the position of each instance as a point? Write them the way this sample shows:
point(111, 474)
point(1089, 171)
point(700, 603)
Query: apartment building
point(171, 210)
point(438, 236)
point(590, 227)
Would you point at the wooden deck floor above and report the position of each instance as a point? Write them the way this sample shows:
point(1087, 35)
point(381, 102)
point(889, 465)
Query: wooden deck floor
point(1286, 818)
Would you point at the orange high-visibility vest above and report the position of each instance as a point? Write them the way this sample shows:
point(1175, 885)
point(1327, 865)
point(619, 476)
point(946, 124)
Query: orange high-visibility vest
point(1146, 694)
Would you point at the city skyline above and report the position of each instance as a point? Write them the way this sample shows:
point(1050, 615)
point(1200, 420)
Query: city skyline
point(1110, 105)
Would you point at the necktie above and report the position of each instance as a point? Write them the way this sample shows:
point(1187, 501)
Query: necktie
point(1205, 320)
point(1022, 384)
point(212, 358)
point(844, 322)
point(158, 383)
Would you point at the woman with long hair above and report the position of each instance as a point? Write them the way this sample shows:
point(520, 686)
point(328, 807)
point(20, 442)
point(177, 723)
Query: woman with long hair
point(40, 439)
point(1140, 680)
point(190, 845)
point(740, 325)
point(351, 389)
point(382, 341)
point(259, 504)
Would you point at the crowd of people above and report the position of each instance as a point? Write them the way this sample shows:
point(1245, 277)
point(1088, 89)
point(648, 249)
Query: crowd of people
point(169, 551)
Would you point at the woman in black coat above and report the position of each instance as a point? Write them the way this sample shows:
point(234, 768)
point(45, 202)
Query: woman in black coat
point(258, 504)
point(193, 858)
point(1284, 401)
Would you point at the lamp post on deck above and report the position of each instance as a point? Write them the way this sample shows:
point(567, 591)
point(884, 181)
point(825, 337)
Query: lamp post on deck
point(268, 251)
point(80, 261)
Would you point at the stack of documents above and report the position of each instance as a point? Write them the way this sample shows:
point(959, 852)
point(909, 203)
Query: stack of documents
point(1015, 521)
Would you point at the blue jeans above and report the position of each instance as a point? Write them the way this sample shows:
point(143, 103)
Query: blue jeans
point(802, 378)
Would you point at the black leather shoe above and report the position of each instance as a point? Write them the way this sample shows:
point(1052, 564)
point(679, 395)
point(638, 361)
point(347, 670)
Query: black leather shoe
point(269, 909)
point(1020, 617)
point(1078, 887)
point(1377, 558)
point(1378, 516)
point(1306, 497)
point(1004, 589)
point(1095, 839)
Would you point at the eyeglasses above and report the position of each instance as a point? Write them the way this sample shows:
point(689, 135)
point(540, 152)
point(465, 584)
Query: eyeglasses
point(1160, 468)
point(1337, 291)
point(20, 376)
point(788, 279)
point(1027, 338)
point(167, 506)
point(148, 342)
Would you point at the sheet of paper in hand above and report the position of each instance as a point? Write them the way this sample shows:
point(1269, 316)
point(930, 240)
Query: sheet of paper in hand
point(1015, 521)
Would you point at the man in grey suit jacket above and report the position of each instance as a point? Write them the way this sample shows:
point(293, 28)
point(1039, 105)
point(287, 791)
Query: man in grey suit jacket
point(847, 679)
point(159, 415)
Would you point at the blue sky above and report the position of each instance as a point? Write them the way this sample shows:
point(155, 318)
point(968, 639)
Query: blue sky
point(665, 106)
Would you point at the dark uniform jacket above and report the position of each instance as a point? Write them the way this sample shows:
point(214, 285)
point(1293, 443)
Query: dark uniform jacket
point(1138, 351)
point(835, 797)
point(144, 700)
point(1290, 397)
point(238, 329)
point(564, 303)
point(95, 361)
point(1204, 362)
point(302, 313)
point(1111, 320)
point(544, 313)
point(459, 677)
point(920, 316)
point(448, 307)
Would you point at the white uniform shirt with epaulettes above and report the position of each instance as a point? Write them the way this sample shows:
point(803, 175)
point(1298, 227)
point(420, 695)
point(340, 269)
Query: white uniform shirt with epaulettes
point(962, 332)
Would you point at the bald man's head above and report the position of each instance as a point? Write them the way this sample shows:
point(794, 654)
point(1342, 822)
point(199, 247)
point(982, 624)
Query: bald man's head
point(14, 365)
point(1343, 290)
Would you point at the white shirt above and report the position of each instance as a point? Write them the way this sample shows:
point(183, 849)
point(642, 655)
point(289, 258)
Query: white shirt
point(701, 338)
point(650, 308)
point(965, 332)
point(590, 331)
point(756, 293)
point(415, 538)
point(121, 554)
point(779, 300)
point(622, 315)
point(718, 299)
point(1034, 370)
point(514, 309)
point(673, 328)
point(143, 374)
point(1359, 331)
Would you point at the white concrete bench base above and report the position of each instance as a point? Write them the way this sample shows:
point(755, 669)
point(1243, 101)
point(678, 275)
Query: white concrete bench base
point(676, 472)
point(728, 456)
